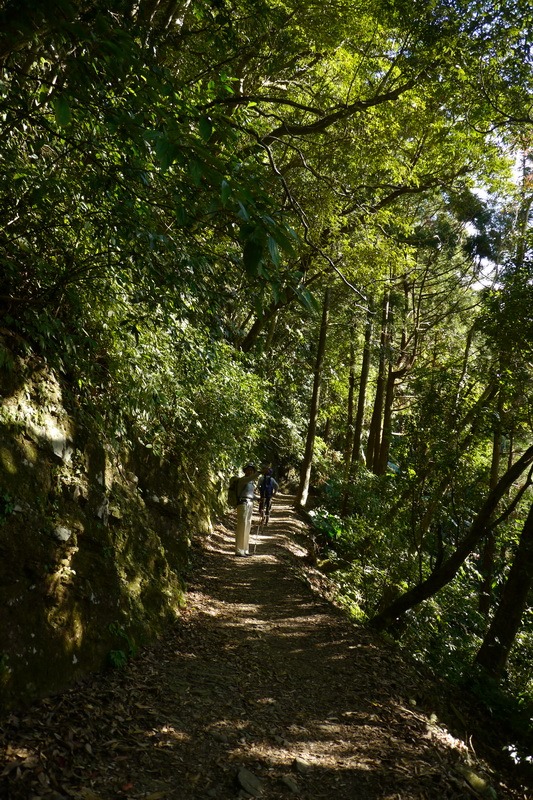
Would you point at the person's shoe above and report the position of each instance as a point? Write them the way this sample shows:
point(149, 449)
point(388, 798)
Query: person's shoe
point(241, 553)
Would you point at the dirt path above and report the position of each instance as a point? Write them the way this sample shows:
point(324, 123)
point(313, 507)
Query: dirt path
point(262, 689)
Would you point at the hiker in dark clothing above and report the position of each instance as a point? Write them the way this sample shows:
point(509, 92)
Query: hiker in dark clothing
point(267, 486)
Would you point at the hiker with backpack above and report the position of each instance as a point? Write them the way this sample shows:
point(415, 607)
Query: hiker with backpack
point(268, 487)
point(241, 494)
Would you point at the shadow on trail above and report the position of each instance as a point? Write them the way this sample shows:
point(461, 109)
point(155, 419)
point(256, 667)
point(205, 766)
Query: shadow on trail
point(295, 693)
point(261, 674)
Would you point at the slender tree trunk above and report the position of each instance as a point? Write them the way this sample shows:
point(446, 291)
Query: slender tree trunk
point(449, 568)
point(499, 639)
point(374, 433)
point(288, 296)
point(403, 365)
point(522, 217)
point(488, 555)
point(496, 453)
point(511, 449)
point(386, 436)
point(259, 324)
point(363, 383)
point(464, 372)
point(348, 438)
point(305, 475)
point(360, 413)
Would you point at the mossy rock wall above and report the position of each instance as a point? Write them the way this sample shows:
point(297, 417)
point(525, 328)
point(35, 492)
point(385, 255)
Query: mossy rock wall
point(94, 541)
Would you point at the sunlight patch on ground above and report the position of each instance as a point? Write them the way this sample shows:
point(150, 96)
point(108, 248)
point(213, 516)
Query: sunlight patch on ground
point(278, 629)
point(250, 608)
point(309, 758)
point(173, 735)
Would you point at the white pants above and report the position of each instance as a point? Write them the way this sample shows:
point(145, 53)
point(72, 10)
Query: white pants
point(244, 523)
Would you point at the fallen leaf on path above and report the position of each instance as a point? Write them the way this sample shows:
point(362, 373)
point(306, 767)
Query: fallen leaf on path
point(87, 794)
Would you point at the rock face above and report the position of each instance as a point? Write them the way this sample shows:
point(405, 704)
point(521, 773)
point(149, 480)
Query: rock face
point(94, 540)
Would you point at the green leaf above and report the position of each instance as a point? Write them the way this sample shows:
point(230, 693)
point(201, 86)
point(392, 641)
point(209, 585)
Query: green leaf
point(252, 256)
point(167, 152)
point(273, 250)
point(225, 192)
point(307, 299)
point(196, 171)
point(62, 111)
point(243, 213)
point(205, 127)
point(286, 238)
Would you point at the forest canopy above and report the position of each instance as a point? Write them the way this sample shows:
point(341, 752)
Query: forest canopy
point(298, 232)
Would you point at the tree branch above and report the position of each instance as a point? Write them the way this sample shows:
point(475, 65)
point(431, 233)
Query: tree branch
point(329, 119)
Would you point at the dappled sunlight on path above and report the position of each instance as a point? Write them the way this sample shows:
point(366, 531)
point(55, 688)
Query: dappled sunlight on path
point(263, 688)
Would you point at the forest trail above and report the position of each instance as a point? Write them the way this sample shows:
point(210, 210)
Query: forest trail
point(262, 689)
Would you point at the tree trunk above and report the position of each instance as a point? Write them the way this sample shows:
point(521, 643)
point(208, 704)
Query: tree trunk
point(486, 566)
point(486, 569)
point(360, 413)
point(374, 433)
point(363, 383)
point(522, 217)
point(404, 364)
point(386, 436)
point(348, 438)
point(305, 475)
point(259, 324)
point(287, 297)
point(499, 639)
point(449, 568)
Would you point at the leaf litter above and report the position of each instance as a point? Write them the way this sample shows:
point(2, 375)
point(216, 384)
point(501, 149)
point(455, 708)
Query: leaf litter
point(263, 688)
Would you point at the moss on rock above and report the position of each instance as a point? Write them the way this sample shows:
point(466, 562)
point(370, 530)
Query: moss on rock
point(94, 542)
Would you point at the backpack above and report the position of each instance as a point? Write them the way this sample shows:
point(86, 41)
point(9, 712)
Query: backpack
point(267, 489)
point(232, 496)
